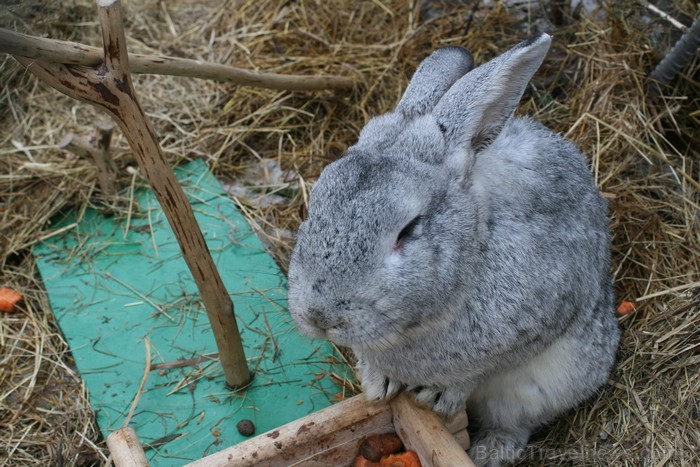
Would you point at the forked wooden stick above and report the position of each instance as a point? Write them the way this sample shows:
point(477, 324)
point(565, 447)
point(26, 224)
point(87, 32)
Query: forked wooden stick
point(50, 50)
point(109, 86)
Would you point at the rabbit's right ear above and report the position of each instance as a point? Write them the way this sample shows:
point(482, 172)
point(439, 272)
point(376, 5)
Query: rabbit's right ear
point(475, 109)
point(434, 76)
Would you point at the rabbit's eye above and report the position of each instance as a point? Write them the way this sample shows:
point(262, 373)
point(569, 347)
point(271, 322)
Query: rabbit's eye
point(407, 232)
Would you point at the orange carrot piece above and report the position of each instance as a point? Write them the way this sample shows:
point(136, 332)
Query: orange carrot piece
point(626, 307)
point(9, 299)
point(404, 459)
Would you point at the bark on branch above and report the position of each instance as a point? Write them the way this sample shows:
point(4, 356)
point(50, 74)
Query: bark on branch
point(73, 53)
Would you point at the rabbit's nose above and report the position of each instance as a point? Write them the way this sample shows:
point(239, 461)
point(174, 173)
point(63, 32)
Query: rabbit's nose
point(321, 318)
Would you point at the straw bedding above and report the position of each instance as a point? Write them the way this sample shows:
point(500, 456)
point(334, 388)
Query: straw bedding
point(643, 152)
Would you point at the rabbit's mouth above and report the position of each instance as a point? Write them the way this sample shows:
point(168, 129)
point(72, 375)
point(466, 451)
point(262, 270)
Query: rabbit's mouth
point(346, 322)
point(375, 342)
point(309, 329)
point(320, 326)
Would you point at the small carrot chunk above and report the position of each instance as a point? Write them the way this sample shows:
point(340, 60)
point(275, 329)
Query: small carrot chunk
point(404, 459)
point(9, 299)
point(626, 307)
point(375, 447)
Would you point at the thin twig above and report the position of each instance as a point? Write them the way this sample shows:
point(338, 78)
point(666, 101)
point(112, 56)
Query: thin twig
point(663, 15)
point(146, 371)
point(184, 363)
point(679, 288)
point(140, 295)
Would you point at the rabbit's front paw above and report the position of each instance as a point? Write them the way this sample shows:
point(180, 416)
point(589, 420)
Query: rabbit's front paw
point(375, 384)
point(445, 402)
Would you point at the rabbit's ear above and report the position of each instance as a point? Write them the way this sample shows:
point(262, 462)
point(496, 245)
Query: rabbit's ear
point(473, 111)
point(433, 78)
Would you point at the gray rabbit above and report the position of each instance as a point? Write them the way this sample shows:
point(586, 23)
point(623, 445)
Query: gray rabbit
point(463, 254)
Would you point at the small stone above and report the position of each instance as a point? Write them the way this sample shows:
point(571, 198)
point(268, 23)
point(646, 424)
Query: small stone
point(246, 427)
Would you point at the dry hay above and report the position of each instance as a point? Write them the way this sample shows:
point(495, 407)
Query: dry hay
point(644, 154)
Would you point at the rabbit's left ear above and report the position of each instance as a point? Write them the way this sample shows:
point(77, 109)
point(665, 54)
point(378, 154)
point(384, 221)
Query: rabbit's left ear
point(433, 78)
point(475, 109)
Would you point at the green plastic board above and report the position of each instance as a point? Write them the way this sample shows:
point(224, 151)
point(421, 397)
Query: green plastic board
point(118, 285)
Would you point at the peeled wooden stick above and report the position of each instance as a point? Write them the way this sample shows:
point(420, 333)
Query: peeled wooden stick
point(50, 50)
point(331, 436)
point(423, 431)
point(109, 86)
point(125, 448)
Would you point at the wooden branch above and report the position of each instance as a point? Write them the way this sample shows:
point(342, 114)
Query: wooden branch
point(110, 87)
point(72, 53)
point(423, 431)
point(103, 161)
point(125, 448)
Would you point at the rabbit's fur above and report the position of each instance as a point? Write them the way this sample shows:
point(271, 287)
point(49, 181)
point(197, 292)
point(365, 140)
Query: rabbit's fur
point(463, 254)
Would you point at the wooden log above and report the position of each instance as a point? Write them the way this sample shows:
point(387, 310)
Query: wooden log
point(125, 448)
point(110, 87)
point(331, 436)
point(73, 53)
point(422, 431)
